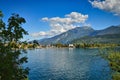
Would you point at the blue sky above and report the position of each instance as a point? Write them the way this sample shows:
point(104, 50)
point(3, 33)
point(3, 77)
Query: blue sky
point(45, 18)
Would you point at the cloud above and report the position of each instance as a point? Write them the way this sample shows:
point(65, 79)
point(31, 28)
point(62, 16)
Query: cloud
point(41, 33)
point(59, 25)
point(107, 5)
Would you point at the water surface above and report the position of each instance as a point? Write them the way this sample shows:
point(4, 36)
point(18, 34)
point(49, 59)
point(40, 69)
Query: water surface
point(67, 64)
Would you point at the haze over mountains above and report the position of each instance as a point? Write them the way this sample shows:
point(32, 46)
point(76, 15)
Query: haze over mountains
point(85, 34)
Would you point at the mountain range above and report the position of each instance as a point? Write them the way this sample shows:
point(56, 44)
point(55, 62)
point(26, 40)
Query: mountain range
point(85, 34)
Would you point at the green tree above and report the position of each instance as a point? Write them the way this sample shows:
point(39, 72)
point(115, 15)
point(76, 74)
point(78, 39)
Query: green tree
point(15, 29)
point(2, 26)
point(10, 59)
point(35, 42)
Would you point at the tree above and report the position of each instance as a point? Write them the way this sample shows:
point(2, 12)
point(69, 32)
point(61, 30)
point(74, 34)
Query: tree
point(14, 27)
point(2, 26)
point(35, 42)
point(10, 60)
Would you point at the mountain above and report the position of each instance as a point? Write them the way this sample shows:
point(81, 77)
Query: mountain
point(84, 34)
point(109, 30)
point(68, 36)
point(108, 35)
point(108, 38)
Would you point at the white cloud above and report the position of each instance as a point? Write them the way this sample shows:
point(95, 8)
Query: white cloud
point(107, 5)
point(41, 33)
point(45, 19)
point(88, 25)
point(59, 25)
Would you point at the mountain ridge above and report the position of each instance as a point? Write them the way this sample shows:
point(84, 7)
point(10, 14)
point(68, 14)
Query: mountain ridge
point(79, 32)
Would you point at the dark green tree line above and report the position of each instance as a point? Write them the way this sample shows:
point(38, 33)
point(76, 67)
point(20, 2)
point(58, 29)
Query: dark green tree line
point(10, 59)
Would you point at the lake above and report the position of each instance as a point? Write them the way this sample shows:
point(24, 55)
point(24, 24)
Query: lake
point(67, 64)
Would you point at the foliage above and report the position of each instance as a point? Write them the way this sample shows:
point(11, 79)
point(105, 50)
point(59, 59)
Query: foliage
point(36, 42)
point(116, 76)
point(59, 45)
point(14, 27)
point(10, 60)
point(100, 39)
point(113, 57)
point(94, 45)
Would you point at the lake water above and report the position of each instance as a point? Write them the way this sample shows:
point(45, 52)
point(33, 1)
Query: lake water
point(67, 64)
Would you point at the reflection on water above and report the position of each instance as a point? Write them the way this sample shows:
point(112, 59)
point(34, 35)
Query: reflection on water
point(67, 64)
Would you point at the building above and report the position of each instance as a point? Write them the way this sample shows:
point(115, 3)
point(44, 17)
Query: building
point(71, 45)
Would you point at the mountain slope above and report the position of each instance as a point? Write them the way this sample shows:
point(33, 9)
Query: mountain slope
point(69, 35)
point(108, 35)
point(85, 34)
point(109, 30)
point(108, 38)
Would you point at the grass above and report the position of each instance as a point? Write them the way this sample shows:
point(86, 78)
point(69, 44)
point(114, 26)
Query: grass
point(113, 57)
